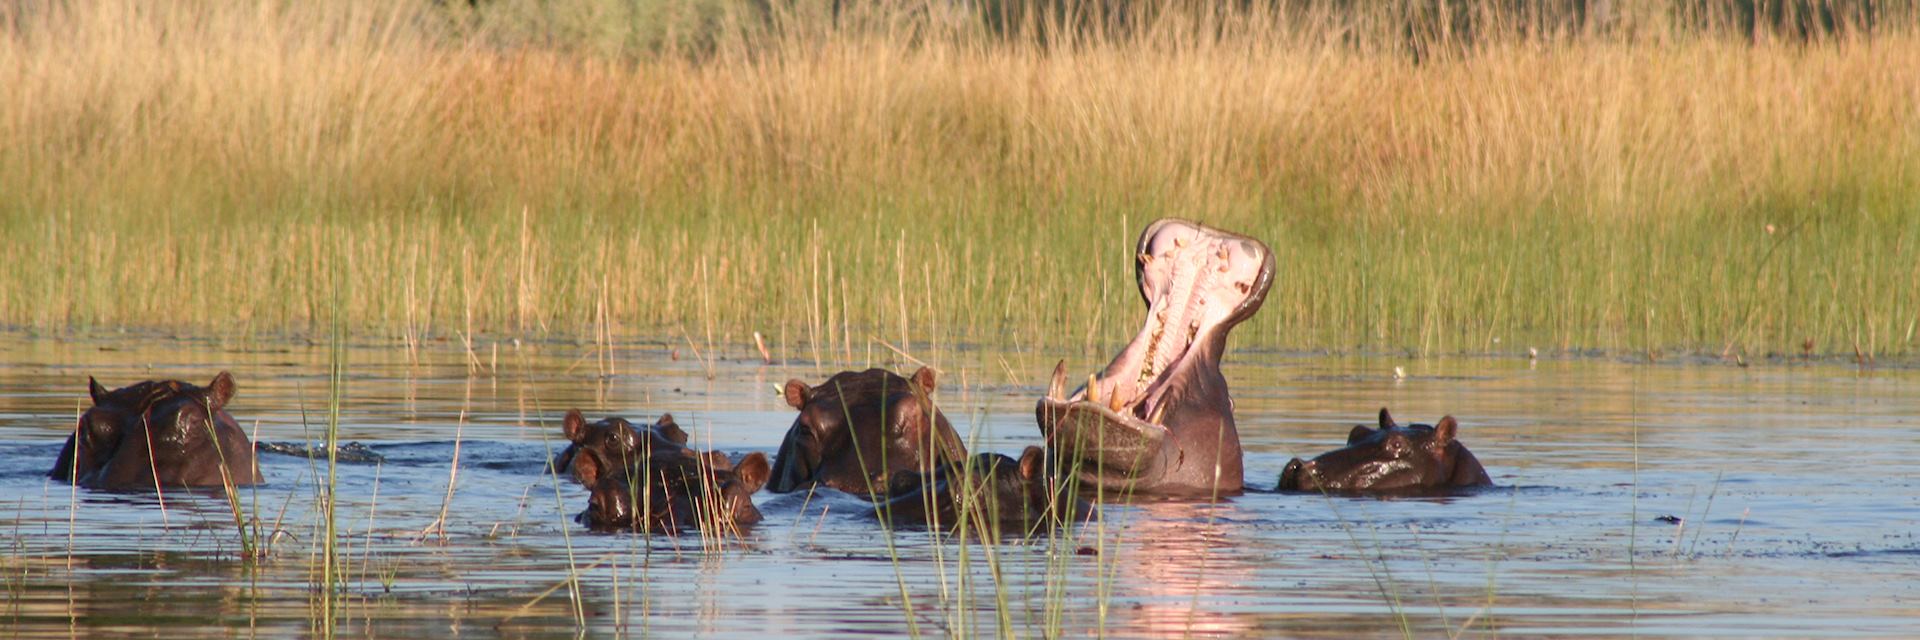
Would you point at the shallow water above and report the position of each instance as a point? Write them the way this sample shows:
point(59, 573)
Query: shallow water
point(1795, 482)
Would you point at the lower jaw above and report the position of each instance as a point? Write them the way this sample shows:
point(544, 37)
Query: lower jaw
point(1090, 433)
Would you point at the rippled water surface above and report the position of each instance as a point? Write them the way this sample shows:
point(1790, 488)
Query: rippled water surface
point(1659, 500)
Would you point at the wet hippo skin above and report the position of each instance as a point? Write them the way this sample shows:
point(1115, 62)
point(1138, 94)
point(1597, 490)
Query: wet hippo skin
point(1414, 458)
point(158, 434)
point(858, 428)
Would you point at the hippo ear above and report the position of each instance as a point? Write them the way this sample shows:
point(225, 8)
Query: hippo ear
point(1386, 419)
point(798, 393)
point(1444, 432)
point(753, 471)
point(586, 469)
point(1033, 463)
point(574, 425)
point(94, 389)
point(1359, 433)
point(669, 429)
point(220, 391)
point(924, 379)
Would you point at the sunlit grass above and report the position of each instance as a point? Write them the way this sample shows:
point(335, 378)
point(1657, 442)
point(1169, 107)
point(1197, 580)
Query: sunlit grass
point(184, 167)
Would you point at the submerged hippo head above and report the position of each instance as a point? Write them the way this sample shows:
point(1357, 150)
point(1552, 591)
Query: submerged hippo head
point(672, 495)
point(1393, 458)
point(98, 432)
point(614, 443)
point(164, 433)
point(857, 428)
point(989, 491)
point(1159, 419)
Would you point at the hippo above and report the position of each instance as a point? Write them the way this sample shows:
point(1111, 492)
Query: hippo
point(156, 434)
point(1158, 420)
point(857, 429)
point(614, 442)
point(1392, 459)
point(702, 492)
point(998, 493)
point(649, 480)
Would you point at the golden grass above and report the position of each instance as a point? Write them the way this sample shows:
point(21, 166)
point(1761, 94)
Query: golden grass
point(199, 166)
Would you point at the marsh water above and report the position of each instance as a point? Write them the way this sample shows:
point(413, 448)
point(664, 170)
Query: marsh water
point(1668, 499)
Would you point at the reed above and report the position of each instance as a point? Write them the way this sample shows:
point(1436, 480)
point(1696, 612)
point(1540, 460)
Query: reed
point(523, 173)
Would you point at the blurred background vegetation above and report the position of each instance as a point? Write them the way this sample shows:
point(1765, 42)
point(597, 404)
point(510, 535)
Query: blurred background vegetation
point(1726, 178)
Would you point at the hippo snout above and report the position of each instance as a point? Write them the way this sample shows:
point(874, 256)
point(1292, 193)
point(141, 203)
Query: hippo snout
point(1290, 476)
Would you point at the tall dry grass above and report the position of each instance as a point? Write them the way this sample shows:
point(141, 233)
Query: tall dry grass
point(198, 167)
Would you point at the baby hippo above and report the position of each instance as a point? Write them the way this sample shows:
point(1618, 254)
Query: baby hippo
point(647, 479)
point(1392, 459)
point(671, 496)
point(615, 442)
point(992, 491)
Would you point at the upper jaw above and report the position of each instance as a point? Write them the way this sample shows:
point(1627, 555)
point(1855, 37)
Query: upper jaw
point(1198, 283)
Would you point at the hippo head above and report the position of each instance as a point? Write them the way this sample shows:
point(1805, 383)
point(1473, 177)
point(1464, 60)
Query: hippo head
point(99, 430)
point(672, 495)
point(990, 490)
point(1158, 418)
point(1392, 458)
point(598, 448)
point(857, 428)
point(166, 433)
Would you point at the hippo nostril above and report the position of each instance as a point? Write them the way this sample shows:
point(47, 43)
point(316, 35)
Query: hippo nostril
point(1290, 477)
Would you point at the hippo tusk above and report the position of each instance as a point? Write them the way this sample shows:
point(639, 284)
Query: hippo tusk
point(1093, 388)
point(1057, 389)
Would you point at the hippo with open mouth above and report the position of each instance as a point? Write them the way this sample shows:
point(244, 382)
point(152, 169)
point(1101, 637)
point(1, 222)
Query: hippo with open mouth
point(1159, 420)
point(1392, 459)
point(156, 435)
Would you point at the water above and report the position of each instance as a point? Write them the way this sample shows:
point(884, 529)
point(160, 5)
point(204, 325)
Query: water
point(1796, 484)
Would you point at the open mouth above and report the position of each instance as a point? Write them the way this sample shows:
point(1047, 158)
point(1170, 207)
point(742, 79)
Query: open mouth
point(1198, 282)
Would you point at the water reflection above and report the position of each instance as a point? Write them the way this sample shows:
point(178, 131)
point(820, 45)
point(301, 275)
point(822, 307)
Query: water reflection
point(1178, 563)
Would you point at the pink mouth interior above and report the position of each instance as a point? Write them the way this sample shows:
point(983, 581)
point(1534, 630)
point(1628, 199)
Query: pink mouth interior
point(1194, 280)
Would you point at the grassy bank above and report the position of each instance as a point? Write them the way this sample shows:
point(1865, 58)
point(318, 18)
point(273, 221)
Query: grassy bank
point(198, 166)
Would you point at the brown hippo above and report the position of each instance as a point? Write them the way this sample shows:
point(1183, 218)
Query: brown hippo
point(157, 434)
point(858, 428)
point(703, 492)
point(1392, 459)
point(613, 442)
point(994, 492)
point(649, 480)
point(1158, 419)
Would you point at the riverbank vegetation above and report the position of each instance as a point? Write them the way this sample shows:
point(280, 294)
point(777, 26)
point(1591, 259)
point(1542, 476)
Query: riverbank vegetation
point(1626, 180)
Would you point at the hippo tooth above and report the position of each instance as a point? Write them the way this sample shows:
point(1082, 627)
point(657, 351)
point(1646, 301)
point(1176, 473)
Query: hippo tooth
point(1146, 259)
point(1057, 389)
point(1093, 388)
point(1180, 242)
point(1115, 403)
point(1158, 413)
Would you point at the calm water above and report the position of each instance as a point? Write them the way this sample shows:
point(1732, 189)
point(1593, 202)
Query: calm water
point(1797, 486)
